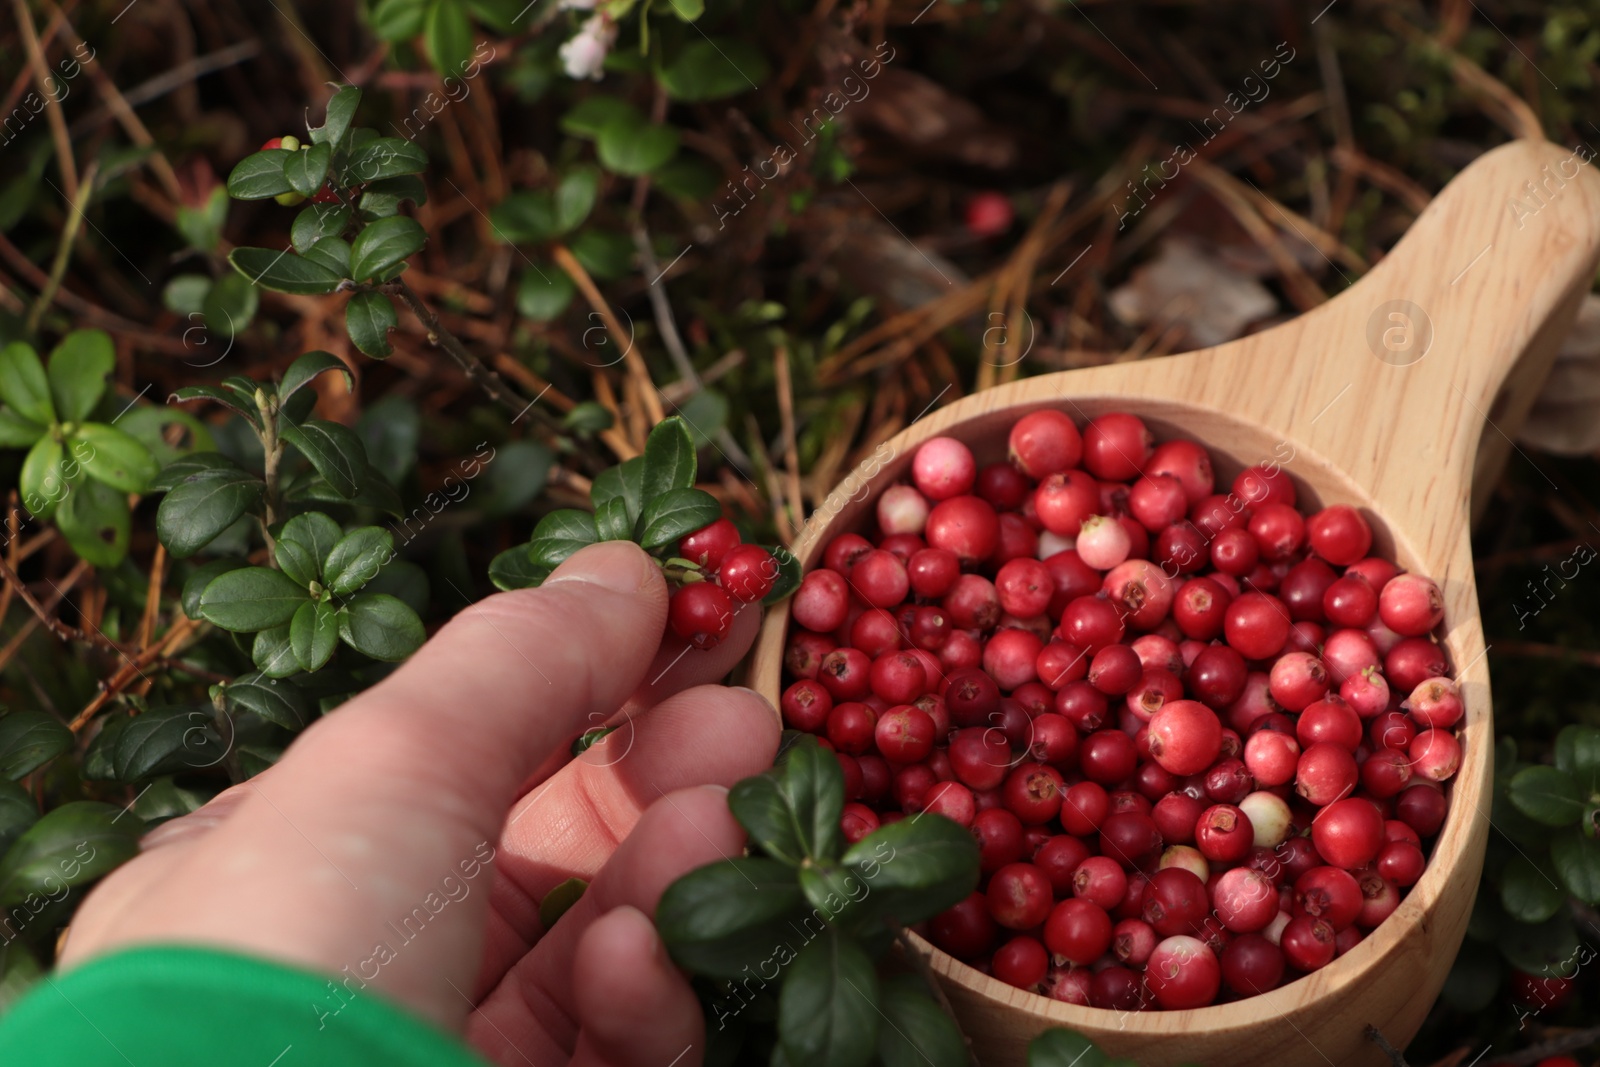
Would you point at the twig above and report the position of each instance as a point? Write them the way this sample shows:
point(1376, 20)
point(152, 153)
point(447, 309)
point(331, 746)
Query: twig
point(493, 386)
point(920, 962)
point(1536, 650)
point(73, 577)
point(41, 76)
point(162, 84)
point(1396, 1057)
point(1568, 1042)
point(636, 367)
point(182, 632)
point(53, 624)
point(69, 234)
point(152, 597)
point(791, 449)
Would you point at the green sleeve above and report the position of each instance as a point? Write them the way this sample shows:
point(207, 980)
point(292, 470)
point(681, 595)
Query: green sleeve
point(170, 1006)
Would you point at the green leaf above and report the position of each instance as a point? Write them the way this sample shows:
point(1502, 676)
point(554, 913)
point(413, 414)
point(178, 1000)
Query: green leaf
point(115, 458)
point(398, 20)
point(203, 505)
point(381, 626)
point(626, 480)
point(688, 10)
point(514, 569)
point(833, 892)
point(283, 271)
point(405, 581)
point(307, 169)
point(706, 412)
point(687, 178)
point(229, 306)
point(95, 521)
point(631, 147)
point(669, 460)
point(175, 472)
point(23, 384)
point(368, 318)
point(559, 900)
point(185, 294)
point(334, 450)
point(17, 813)
point(1539, 948)
point(355, 560)
point(313, 535)
point(518, 474)
point(382, 199)
point(201, 226)
point(221, 396)
point(385, 157)
point(71, 845)
point(78, 369)
point(448, 35)
point(721, 918)
point(1064, 1048)
point(673, 514)
point(560, 534)
point(575, 197)
point(151, 425)
point(260, 176)
point(1578, 756)
point(1547, 795)
point(313, 634)
point(788, 579)
point(543, 295)
point(29, 740)
point(303, 370)
point(167, 741)
point(611, 521)
point(332, 253)
point(272, 651)
point(524, 217)
point(277, 701)
point(382, 244)
point(917, 1032)
point(828, 1008)
point(793, 810)
point(605, 255)
point(18, 432)
point(588, 417)
point(315, 222)
point(917, 867)
point(1528, 892)
point(341, 112)
point(713, 68)
point(592, 114)
point(1576, 858)
point(200, 577)
point(43, 481)
point(374, 493)
point(251, 599)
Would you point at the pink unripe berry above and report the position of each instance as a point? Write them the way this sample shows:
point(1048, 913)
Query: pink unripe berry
point(1103, 542)
point(1367, 693)
point(943, 468)
point(1435, 754)
point(902, 510)
point(1270, 818)
point(1436, 703)
point(1411, 605)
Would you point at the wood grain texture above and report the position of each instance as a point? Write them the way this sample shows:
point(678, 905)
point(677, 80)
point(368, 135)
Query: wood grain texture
point(1491, 272)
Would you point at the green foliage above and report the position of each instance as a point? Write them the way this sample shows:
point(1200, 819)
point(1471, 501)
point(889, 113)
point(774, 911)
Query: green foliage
point(819, 914)
point(77, 472)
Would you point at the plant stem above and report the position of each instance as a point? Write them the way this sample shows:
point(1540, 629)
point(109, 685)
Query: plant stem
point(272, 455)
point(1396, 1057)
point(69, 234)
point(493, 386)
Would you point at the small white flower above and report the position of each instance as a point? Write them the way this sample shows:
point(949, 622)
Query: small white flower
point(584, 55)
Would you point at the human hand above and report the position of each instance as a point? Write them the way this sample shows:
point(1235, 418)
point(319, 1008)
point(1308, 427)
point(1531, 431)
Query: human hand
point(431, 814)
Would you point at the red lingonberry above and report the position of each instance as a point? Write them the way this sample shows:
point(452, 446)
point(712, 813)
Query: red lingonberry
point(1132, 941)
point(1412, 662)
point(966, 930)
point(1350, 601)
point(880, 579)
point(1421, 806)
point(1180, 549)
point(1257, 625)
point(1188, 463)
point(1118, 989)
point(1379, 898)
point(1022, 962)
point(1401, 862)
point(943, 468)
point(803, 656)
point(1385, 773)
point(701, 614)
point(1271, 757)
point(1175, 901)
point(1246, 900)
point(1435, 704)
point(1059, 858)
point(1156, 501)
point(1043, 443)
point(1033, 792)
point(857, 821)
point(1235, 552)
point(980, 758)
point(1019, 896)
point(1303, 588)
point(1185, 736)
point(708, 545)
point(1131, 839)
point(1116, 446)
point(1107, 756)
point(952, 800)
point(1252, 965)
point(1141, 592)
point(1298, 679)
point(1325, 774)
point(1367, 693)
point(1330, 720)
point(1307, 943)
point(1223, 834)
point(1152, 692)
point(1348, 833)
point(1077, 931)
point(904, 734)
point(1228, 781)
point(970, 695)
point(748, 573)
point(1348, 652)
point(822, 602)
point(875, 633)
point(1264, 483)
point(1053, 741)
point(1091, 623)
point(1330, 894)
point(965, 525)
point(1064, 500)
point(989, 214)
point(1540, 991)
point(1435, 754)
point(851, 726)
point(1004, 486)
point(1101, 881)
point(1411, 605)
point(1183, 972)
point(805, 706)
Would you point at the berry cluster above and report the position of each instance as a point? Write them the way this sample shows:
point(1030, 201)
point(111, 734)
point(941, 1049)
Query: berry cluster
point(723, 571)
point(1199, 737)
point(291, 143)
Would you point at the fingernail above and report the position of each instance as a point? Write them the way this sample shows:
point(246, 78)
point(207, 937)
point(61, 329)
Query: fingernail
point(619, 566)
point(761, 697)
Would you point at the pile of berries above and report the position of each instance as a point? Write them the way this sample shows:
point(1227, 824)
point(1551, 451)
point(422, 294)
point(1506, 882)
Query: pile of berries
point(1201, 738)
point(722, 571)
